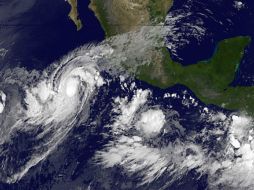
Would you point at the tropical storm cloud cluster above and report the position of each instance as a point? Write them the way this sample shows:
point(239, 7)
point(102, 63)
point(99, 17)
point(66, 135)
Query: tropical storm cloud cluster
point(148, 139)
point(48, 104)
point(145, 143)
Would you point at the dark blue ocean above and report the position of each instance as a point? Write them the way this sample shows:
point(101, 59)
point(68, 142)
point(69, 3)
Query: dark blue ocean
point(222, 20)
point(45, 33)
point(71, 164)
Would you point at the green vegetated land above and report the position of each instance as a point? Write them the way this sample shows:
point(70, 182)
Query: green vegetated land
point(209, 79)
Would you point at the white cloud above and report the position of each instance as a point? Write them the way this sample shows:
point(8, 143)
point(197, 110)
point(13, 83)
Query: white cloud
point(3, 52)
point(127, 109)
point(151, 163)
point(229, 167)
point(136, 157)
point(54, 104)
point(62, 97)
point(151, 122)
point(54, 99)
point(2, 101)
point(234, 142)
point(1, 107)
point(239, 5)
point(238, 173)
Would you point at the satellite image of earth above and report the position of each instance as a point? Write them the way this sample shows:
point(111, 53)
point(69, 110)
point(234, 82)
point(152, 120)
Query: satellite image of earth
point(126, 95)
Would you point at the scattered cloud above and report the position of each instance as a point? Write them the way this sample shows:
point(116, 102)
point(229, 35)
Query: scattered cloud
point(231, 166)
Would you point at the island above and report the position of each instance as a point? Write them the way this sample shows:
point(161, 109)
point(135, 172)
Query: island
point(210, 79)
point(74, 14)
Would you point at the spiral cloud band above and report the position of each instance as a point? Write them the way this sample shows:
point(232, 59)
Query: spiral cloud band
point(147, 140)
point(51, 108)
point(48, 104)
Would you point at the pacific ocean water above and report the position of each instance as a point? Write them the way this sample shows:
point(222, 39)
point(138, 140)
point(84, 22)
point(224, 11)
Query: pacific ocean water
point(45, 34)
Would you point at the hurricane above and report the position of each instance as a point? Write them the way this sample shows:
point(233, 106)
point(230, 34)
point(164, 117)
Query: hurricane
point(46, 105)
point(48, 108)
point(144, 137)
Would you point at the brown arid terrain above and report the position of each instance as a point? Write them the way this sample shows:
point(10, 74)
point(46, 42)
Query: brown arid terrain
point(121, 16)
point(126, 15)
point(209, 82)
point(118, 17)
point(74, 15)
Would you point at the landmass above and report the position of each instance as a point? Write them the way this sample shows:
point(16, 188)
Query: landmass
point(210, 80)
point(74, 14)
point(120, 16)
